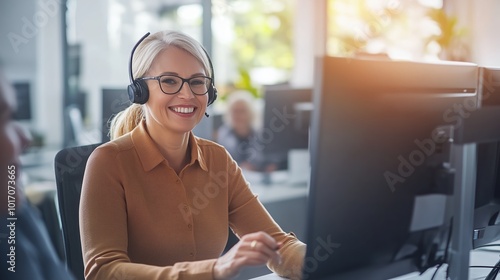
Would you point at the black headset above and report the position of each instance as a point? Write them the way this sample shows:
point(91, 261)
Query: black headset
point(138, 91)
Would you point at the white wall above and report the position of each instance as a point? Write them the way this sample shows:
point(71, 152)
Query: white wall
point(309, 40)
point(50, 74)
point(485, 26)
point(481, 19)
point(30, 50)
point(18, 58)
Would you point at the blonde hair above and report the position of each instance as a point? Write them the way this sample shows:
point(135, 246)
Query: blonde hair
point(126, 120)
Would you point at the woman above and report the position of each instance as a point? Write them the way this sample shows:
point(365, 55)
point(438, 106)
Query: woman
point(157, 201)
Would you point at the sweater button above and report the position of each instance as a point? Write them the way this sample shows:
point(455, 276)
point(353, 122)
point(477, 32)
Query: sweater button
point(190, 226)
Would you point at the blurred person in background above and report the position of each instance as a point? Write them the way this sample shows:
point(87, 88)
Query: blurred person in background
point(26, 250)
point(238, 133)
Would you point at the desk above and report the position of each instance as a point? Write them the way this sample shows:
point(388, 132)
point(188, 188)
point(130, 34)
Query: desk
point(285, 201)
point(478, 257)
point(278, 192)
point(38, 165)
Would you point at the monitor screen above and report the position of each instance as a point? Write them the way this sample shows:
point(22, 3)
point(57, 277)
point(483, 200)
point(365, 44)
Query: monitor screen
point(23, 96)
point(286, 122)
point(381, 185)
point(113, 101)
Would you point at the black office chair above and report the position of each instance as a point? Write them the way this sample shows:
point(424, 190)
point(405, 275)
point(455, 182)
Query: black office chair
point(69, 168)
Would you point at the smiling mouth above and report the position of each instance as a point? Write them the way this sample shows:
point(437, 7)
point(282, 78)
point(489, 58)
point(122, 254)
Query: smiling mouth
point(183, 110)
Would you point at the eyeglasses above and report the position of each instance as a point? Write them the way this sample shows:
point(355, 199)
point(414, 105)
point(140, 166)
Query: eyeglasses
point(171, 84)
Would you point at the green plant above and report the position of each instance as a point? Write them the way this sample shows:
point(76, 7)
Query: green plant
point(245, 82)
point(451, 37)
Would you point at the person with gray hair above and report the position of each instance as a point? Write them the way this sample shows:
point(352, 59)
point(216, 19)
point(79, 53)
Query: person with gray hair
point(238, 133)
point(26, 250)
point(156, 200)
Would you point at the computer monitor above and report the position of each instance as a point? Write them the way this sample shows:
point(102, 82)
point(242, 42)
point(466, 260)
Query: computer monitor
point(23, 96)
point(285, 123)
point(380, 201)
point(113, 101)
point(487, 198)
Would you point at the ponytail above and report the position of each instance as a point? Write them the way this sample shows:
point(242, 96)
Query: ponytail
point(125, 121)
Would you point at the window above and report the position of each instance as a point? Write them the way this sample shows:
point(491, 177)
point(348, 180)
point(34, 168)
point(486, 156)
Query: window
point(415, 30)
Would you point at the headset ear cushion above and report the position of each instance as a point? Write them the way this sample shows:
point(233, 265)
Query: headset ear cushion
point(212, 94)
point(131, 89)
point(138, 92)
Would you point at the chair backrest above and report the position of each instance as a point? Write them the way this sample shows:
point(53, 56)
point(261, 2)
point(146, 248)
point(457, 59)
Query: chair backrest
point(69, 168)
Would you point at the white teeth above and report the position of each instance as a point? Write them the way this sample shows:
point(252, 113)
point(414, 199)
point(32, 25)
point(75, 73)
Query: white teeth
point(183, 110)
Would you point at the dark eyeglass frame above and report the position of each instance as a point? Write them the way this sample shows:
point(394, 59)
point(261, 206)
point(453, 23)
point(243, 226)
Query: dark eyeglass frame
point(158, 78)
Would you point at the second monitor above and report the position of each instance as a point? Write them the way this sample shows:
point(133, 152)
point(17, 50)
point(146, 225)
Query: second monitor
point(286, 122)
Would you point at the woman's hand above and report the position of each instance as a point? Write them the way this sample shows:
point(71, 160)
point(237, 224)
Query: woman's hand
point(252, 250)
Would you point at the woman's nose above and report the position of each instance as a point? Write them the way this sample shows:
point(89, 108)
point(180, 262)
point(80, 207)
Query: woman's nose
point(185, 92)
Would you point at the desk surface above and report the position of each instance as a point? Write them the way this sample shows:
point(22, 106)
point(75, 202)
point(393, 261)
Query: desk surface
point(38, 165)
point(278, 189)
point(278, 192)
point(480, 257)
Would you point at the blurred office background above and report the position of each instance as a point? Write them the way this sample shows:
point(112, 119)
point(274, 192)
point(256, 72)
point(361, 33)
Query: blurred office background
point(68, 59)
point(62, 54)
point(68, 51)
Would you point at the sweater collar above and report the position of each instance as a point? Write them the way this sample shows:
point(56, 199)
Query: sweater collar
point(149, 154)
